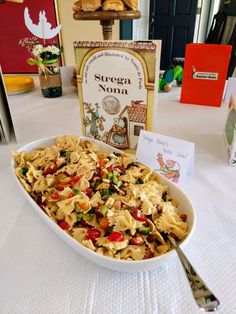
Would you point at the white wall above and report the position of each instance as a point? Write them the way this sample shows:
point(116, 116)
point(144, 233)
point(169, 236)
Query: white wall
point(141, 25)
point(73, 30)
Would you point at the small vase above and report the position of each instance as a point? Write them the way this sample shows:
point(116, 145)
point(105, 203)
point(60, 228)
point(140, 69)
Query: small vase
point(50, 80)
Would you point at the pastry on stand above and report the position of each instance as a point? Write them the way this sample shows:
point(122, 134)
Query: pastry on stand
point(106, 11)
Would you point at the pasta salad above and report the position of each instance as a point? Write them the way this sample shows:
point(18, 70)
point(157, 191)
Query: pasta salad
point(109, 202)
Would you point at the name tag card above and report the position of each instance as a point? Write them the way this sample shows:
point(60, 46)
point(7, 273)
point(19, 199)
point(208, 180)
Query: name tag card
point(230, 132)
point(230, 89)
point(171, 157)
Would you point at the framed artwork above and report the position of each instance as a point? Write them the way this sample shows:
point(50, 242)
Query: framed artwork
point(13, 56)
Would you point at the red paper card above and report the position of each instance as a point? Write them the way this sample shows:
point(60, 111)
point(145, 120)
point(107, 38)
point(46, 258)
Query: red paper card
point(205, 70)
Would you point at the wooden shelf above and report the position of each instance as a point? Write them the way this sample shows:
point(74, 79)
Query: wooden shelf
point(107, 15)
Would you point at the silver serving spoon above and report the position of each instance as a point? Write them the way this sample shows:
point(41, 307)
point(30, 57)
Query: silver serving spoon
point(204, 298)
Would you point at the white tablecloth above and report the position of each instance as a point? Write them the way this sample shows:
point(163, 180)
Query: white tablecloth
point(39, 273)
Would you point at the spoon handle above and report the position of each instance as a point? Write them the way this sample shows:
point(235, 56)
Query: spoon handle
point(204, 298)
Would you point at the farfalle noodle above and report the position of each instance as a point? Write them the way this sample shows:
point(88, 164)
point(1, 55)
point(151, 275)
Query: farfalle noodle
point(109, 202)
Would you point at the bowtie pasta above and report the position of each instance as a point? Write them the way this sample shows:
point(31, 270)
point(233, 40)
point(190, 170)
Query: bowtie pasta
point(109, 202)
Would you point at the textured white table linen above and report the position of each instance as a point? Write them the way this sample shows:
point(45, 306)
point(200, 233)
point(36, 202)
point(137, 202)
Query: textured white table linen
point(39, 273)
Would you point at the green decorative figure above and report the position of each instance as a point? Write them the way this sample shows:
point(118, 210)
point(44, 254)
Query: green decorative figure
point(169, 76)
point(178, 74)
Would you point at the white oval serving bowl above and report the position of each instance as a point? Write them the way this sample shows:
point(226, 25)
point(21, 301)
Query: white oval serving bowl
point(185, 206)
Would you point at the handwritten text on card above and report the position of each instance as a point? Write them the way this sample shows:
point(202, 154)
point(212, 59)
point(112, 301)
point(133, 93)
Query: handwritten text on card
point(171, 157)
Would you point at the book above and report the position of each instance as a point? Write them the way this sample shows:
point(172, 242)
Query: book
point(205, 72)
point(117, 87)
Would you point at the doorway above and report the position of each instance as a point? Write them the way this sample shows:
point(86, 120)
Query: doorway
point(173, 22)
point(139, 29)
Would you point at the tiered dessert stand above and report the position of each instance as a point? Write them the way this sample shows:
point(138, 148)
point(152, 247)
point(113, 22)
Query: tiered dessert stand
point(107, 19)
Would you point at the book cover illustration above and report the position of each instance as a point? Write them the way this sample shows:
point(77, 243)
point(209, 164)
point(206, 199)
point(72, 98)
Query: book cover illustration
point(116, 87)
point(205, 71)
point(169, 168)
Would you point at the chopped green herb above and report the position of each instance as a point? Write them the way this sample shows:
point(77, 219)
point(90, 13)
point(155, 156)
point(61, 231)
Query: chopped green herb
point(104, 192)
point(109, 230)
point(139, 181)
point(115, 173)
point(119, 183)
point(144, 230)
point(115, 180)
point(75, 191)
point(110, 176)
point(24, 170)
point(103, 210)
point(65, 154)
point(81, 215)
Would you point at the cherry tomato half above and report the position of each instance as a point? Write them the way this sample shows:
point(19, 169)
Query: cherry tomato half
point(74, 180)
point(50, 170)
point(92, 234)
point(55, 196)
point(88, 191)
point(60, 187)
point(138, 215)
point(116, 236)
point(64, 225)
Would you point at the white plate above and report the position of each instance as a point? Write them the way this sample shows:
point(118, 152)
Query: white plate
point(119, 265)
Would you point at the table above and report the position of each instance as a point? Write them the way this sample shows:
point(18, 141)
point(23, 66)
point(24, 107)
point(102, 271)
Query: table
point(39, 273)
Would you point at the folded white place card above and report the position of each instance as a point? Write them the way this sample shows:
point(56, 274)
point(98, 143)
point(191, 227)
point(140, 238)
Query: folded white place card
point(230, 89)
point(169, 156)
point(230, 132)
